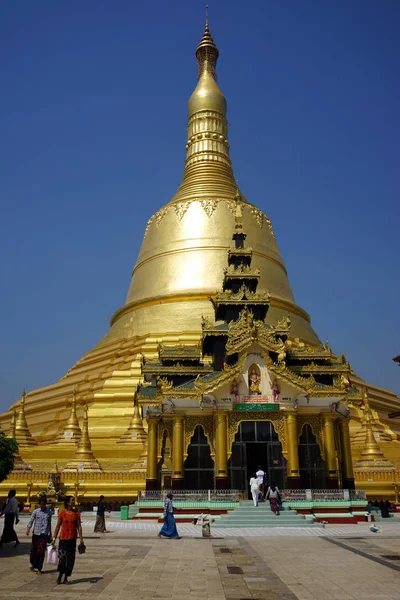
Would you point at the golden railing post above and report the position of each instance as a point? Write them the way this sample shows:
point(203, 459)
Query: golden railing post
point(177, 452)
point(292, 464)
point(221, 450)
point(330, 451)
point(151, 475)
point(347, 461)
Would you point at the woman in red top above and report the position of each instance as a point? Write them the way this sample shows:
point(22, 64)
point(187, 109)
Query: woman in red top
point(69, 521)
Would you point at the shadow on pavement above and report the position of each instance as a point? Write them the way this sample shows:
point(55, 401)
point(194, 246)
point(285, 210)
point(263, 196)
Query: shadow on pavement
point(21, 550)
point(87, 580)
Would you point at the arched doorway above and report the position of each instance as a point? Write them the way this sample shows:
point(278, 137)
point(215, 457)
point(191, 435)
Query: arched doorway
point(199, 466)
point(312, 467)
point(256, 444)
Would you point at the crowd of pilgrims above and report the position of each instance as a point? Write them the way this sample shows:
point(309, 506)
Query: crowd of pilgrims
point(67, 531)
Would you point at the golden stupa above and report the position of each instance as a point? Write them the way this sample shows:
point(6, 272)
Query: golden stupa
point(185, 257)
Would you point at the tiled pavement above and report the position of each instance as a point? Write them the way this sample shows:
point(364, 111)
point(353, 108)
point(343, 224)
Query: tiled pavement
point(346, 563)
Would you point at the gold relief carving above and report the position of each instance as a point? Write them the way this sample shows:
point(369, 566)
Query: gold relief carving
point(258, 215)
point(314, 421)
point(181, 208)
point(240, 270)
point(165, 384)
point(283, 326)
point(242, 294)
point(224, 376)
point(209, 205)
point(206, 422)
point(303, 383)
point(178, 369)
point(232, 205)
point(149, 222)
point(307, 351)
point(160, 215)
point(206, 323)
point(235, 418)
point(313, 368)
point(269, 225)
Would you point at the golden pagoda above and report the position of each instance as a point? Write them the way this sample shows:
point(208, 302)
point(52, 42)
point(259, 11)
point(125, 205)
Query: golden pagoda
point(209, 367)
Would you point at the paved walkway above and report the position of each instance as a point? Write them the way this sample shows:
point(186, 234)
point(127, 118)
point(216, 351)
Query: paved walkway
point(344, 563)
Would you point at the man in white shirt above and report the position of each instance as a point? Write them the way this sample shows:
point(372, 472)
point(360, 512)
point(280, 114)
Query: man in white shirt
point(260, 477)
point(255, 489)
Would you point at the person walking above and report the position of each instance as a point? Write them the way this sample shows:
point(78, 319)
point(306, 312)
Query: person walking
point(11, 514)
point(260, 476)
point(255, 489)
point(169, 529)
point(41, 521)
point(274, 498)
point(69, 521)
point(100, 525)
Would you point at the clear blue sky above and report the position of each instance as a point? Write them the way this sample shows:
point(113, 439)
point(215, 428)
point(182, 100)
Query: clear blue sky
point(92, 129)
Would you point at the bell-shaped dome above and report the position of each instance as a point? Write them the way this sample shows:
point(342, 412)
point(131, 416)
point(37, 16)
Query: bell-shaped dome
point(186, 243)
point(207, 95)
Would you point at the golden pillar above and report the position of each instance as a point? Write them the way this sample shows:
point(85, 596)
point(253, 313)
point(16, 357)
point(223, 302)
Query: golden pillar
point(221, 450)
point(347, 462)
point(177, 452)
point(330, 451)
point(292, 464)
point(151, 475)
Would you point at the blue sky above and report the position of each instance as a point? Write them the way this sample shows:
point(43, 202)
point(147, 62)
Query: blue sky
point(92, 125)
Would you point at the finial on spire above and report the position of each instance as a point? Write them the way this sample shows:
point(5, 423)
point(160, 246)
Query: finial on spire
point(207, 52)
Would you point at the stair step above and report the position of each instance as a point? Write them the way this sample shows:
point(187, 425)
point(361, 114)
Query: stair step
point(248, 515)
point(221, 525)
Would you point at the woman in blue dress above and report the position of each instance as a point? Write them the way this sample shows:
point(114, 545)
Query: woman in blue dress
point(169, 529)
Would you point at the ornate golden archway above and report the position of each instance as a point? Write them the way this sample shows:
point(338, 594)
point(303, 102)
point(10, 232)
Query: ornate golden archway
point(235, 418)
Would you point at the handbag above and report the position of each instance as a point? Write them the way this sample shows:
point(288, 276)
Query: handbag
point(81, 548)
point(52, 555)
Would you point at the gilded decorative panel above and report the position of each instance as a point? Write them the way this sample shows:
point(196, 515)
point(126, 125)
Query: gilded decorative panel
point(206, 422)
point(235, 418)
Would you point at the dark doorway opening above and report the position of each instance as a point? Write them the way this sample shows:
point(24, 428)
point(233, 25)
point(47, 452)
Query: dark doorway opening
point(312, 467)
point(256, 444)
point(199, 466)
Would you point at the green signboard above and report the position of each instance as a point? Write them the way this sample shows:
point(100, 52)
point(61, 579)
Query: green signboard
point(256, 407)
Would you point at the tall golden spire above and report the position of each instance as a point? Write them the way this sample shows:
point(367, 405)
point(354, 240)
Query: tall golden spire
point(371, 456)
point(208, 167)
point(22, 433)
point(72, 432)
point(84, 459)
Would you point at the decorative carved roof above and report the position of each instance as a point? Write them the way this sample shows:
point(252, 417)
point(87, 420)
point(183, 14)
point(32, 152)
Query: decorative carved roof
point(179, 351)
point(241, 272)
point(242, 296)
point(176, 369)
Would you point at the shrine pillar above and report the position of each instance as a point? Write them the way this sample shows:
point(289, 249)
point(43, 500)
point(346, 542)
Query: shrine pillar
point(152, 438)
point(221, 449)
point(177, 452)
point(347, 462)
point(292, 458)
point(332, 480)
